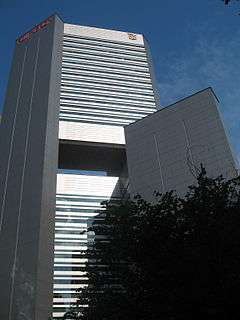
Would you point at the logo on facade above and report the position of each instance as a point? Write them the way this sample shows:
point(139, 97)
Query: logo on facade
point(132, 36)
point(40, 26)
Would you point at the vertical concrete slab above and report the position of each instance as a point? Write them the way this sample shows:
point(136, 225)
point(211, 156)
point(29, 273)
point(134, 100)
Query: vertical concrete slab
point(28, 166)
point(165, 150)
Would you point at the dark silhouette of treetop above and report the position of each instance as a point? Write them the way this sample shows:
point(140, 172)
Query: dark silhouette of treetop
point(177, 258)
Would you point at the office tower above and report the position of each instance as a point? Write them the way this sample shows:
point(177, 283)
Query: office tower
point(71, 91)
point(165, 150)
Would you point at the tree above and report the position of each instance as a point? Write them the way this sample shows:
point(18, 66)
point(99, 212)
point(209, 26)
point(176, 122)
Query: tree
point(177, 258)
point(228, 1)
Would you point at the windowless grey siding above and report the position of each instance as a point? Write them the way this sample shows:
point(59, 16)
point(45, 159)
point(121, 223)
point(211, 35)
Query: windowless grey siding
point(28, 164)
point(166, 149)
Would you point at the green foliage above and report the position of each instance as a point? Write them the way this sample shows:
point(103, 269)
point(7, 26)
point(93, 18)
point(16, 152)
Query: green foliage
point(177, 258)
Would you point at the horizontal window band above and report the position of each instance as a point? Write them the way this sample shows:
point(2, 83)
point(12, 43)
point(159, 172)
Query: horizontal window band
point(73, 204)
point(70, 119)
point(106, 69)
point(72, 279)
point(75, 219)
point(117, 56)
point(71, 210)
point(81, 284)
point(70, 227)
point(81, 213)
point(104, 47)
point(81, 219)
point(76, 246)
point(78, 201)
point(67, 253)
point(105, 75)
point(111, 43)
point(90, 104)
point(70, 272)
point(76, 233)
point(95, 100)
point(78, 266)
point(81, 196)
point(96, 121)
point(70, 236)
point(110, 68)
point(72, 248)
point(107, 94)
point(75, 198)
point(111, 73)
point(77, 260)
point(99, 119)
point(65, 286)
point(83, 210)
point(64, 291)
point(74, 268)
point(72, 219)
point(67, 100)
point(65, 295)
point(77, 105)
point(107, 110)
point(105, 98)
point(98, 102)
point(93, 116)
point(96, 60)
point(106, 60)
point(95, 86)
point(60, 209)
point(117, 123)
point(100, 115)
point(67, 272)
point(64, 300)
point(61, 307)
point(68, 46)
point(71, 224)
point(106, 81)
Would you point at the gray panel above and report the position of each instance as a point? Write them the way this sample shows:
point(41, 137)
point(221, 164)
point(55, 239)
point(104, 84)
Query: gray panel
point(165, 150)
point(29, 147)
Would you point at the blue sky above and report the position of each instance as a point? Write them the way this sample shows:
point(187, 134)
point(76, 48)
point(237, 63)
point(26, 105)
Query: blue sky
point(194, 43)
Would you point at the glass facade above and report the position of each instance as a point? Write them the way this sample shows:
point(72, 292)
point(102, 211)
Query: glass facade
point(104, 82)
point(78, 203)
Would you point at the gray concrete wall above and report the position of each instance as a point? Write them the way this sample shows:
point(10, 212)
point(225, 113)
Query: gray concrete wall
point(165, 149)
point(28, 165)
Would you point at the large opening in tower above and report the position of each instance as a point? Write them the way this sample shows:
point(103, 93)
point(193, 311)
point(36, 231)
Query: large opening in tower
point(88, 174)
point(101, 158)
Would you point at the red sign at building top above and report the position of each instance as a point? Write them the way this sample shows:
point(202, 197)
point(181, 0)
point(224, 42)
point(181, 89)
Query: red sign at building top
point(40, 26)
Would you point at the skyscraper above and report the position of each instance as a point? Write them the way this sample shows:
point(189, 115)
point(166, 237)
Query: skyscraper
point(71, 91)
